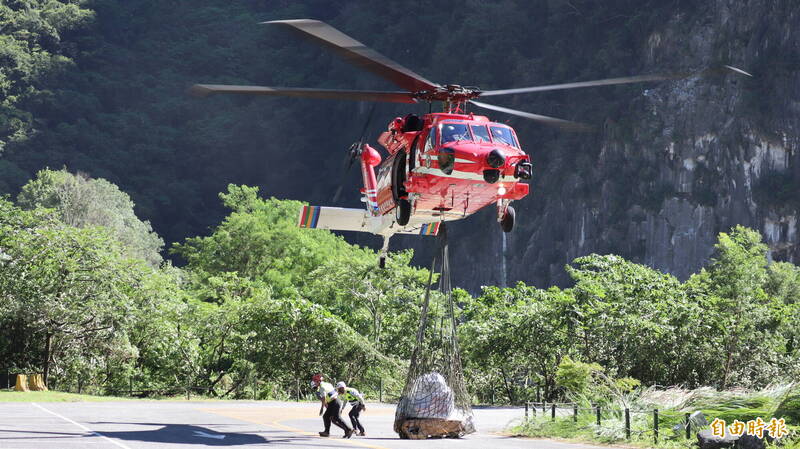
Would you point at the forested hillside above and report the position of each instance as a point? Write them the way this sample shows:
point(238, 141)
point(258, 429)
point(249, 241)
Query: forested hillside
point(99, 87)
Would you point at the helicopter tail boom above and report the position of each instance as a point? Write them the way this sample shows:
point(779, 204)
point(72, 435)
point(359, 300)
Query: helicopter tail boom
point(345, 219)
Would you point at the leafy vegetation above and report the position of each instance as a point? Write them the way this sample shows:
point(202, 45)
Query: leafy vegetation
point(81, 202)
point(261, 304)
point(673, 404)
point(728, 325)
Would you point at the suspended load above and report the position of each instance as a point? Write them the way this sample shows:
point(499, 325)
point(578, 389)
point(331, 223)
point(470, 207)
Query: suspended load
point(435, 402)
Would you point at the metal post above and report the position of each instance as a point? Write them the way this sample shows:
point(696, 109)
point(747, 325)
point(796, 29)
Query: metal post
point(627, 423)
point(130, 386)
point(553, 411)
point(688, 427)
point(538, 394)
point(188, 394)
point(544, 408)
point(597, 413)
point(380, 390)
point(655, 425)
point(575, 412)
point(255, 389)
point(526, 410)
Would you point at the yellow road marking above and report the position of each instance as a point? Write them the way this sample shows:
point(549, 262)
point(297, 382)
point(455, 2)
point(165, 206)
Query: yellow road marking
point(264, 416)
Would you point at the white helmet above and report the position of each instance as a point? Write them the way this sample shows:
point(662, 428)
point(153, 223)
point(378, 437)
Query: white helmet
point(341, 384)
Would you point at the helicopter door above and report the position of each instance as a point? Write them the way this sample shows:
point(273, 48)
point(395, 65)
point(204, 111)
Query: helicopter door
point(402, 165)
point(399, 176)
point(385, 178)
point(412, 154)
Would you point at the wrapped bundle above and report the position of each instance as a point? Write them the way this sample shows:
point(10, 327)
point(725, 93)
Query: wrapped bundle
point(430, 398)
point(430, 410)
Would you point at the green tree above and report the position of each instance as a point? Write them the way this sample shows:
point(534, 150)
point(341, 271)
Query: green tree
point(260, 241)
point(513, 338)
point(382, 305)
point(746, 335)
point(70, 287)
point(634, 320)
point(81, 201)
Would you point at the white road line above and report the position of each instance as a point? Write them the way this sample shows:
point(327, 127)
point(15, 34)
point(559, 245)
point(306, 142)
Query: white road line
point(81, 426)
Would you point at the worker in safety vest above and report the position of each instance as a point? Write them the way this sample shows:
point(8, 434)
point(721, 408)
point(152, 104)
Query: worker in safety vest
point(329, 400)
point(356, 401)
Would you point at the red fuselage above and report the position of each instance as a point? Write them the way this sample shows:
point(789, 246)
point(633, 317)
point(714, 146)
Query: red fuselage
point(450, 165)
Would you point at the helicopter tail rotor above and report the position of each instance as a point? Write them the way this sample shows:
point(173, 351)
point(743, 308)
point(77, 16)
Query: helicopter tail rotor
point(353, 153)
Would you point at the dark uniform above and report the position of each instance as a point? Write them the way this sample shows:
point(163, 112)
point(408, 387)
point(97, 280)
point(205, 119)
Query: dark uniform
point(332, 408)
point(356, 400)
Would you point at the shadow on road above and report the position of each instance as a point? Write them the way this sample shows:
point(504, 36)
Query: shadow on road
point(185, 434)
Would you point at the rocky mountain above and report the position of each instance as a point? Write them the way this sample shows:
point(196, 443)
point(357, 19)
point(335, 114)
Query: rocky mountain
point(689, 158)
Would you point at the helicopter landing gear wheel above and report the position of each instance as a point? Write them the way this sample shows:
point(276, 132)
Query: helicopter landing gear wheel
point(402, 212)
point(507, 222)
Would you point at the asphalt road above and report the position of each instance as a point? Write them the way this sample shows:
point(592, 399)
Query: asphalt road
point(187, 424)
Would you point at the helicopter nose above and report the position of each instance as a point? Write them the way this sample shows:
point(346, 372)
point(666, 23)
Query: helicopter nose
point(496, 158)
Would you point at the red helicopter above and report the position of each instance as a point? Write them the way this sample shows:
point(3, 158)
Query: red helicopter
point(441, 166)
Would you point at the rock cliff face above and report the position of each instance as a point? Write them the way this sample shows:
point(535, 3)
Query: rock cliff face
point(689, 159)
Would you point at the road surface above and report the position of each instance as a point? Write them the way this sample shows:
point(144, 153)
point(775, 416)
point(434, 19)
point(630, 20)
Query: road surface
point(190, 424)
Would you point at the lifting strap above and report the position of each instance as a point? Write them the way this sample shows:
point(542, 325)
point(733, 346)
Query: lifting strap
point(436, 356)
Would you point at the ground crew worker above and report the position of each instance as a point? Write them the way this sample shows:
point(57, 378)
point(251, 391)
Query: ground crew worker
point(329, 401)
point(356, 400)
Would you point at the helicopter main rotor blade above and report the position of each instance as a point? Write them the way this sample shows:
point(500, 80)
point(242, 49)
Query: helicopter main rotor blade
point(358, 54)
point(613, 81)
point(203, 90)
point(551, 121)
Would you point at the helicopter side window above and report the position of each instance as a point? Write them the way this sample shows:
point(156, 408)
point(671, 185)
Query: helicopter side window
point(430, 142)
point(453, 132)
point(504, 135)
point(480, 132)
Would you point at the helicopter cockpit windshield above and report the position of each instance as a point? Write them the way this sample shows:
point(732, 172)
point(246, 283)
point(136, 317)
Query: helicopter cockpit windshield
point(453, 132)
point(501, 134)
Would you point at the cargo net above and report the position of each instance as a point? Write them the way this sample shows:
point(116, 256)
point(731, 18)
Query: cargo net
point(435, 402)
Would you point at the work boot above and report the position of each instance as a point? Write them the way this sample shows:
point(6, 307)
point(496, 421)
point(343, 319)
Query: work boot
point(348, 433)
point(324, 434)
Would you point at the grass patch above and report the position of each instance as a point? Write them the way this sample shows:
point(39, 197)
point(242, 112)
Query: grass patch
point(53, 396)
point(611, 430)
point(672, 404)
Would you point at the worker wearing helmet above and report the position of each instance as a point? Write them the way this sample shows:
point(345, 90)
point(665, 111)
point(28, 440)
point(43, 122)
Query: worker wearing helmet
point(329, 400)
point(356, 401)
